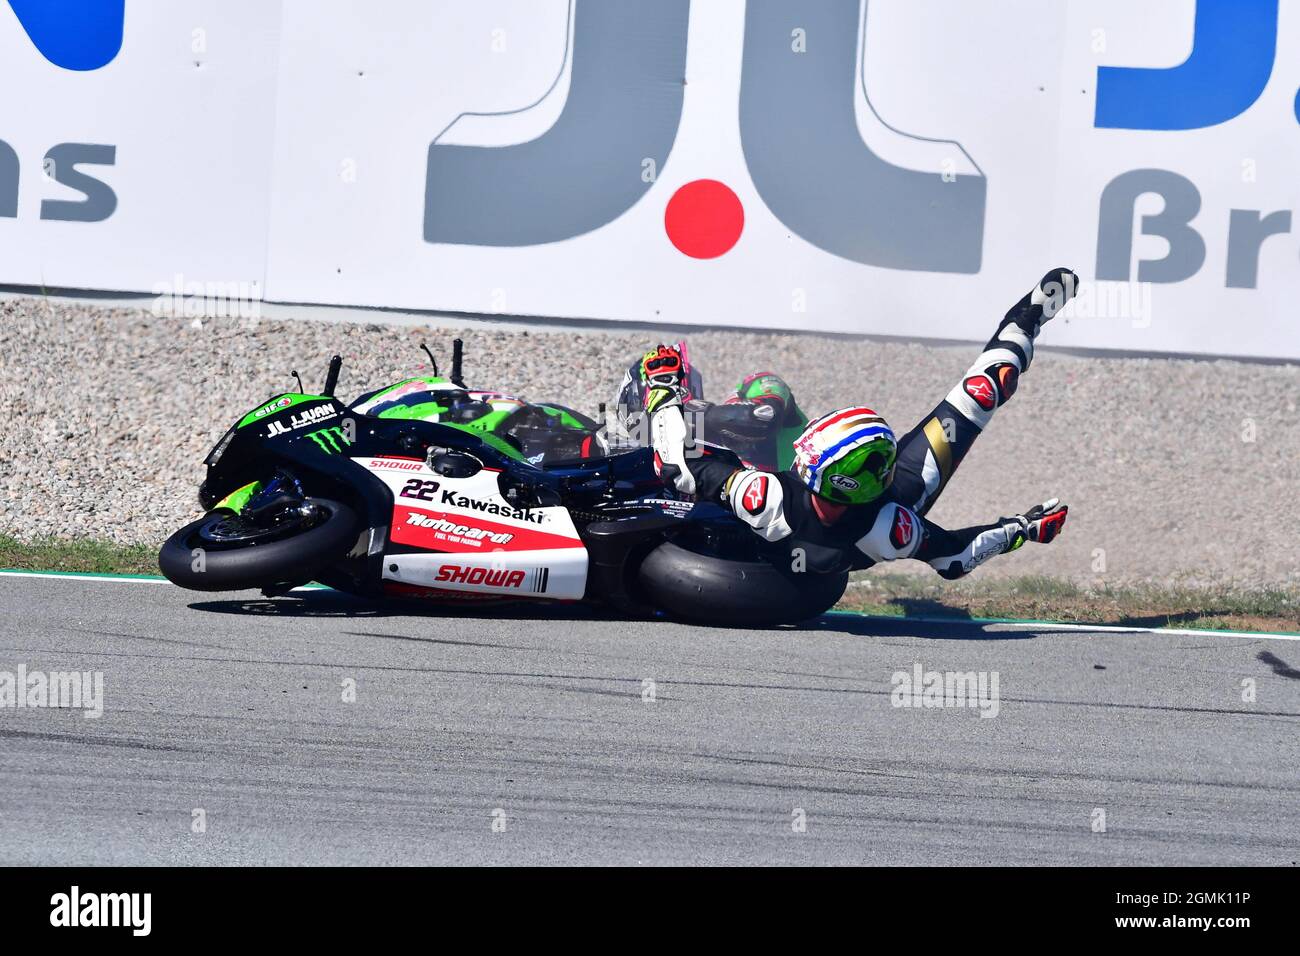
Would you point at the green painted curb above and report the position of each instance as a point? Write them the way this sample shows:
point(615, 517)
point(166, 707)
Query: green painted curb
point(85, 574)
point(924, 619)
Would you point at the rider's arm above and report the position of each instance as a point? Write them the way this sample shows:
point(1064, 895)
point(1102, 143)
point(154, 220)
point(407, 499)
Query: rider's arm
point(692, 467)
point(755, 497)
point(899, 532)
point(710, 473)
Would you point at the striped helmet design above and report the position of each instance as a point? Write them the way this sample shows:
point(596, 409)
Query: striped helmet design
point(846, 455)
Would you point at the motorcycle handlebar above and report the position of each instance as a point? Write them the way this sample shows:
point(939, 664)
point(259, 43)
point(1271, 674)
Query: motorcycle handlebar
point(332, 376)
point(457, 354)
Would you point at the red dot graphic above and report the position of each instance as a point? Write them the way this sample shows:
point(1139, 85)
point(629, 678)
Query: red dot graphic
point(704, 219)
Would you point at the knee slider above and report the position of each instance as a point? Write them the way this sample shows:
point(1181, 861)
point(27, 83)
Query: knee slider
point(1006, 376)
point(756, 498)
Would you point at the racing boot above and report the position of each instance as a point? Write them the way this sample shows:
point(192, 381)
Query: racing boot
point(1011, 350)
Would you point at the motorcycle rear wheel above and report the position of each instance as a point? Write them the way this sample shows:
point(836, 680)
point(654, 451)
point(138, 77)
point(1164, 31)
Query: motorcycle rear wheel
point(694, 585)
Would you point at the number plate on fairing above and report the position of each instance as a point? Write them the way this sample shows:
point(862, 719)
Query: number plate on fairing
point(460, 534)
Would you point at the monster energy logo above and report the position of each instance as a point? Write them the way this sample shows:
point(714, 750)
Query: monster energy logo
point(331, 439)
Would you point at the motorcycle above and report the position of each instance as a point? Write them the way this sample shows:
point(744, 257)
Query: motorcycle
point(304, 488)
point(540, 431)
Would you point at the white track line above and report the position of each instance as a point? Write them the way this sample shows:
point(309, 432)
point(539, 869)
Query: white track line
point(1121, 629)
point(77, 576)
point(1037, 625)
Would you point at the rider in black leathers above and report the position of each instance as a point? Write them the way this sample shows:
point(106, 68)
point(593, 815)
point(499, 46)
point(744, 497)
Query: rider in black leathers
point(855, 495)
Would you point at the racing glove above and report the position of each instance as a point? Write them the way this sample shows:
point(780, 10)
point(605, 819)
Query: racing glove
point(664, 374)
point(1042, 523)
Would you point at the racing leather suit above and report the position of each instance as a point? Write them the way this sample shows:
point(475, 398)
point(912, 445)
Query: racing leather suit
point(780, 509)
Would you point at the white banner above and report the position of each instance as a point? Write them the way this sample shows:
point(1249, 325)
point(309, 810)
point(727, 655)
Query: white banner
point(898, 167)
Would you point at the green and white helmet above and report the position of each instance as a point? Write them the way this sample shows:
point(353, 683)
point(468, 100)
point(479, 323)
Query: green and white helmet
point(847, 456)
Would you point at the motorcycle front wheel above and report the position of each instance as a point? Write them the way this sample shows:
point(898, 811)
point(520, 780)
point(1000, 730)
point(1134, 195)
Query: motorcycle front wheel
point(224, 552)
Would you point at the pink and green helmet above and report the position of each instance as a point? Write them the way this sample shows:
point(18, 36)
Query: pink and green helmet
point(847, 456)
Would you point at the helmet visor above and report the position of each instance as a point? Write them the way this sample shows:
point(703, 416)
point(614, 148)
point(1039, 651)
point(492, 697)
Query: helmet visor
point(862, 476)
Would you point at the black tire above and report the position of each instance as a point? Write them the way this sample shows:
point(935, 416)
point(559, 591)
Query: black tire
point(705, 589)
point(238, 567)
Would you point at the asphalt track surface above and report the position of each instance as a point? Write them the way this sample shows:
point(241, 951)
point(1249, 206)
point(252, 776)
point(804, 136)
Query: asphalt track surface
point(233, 704)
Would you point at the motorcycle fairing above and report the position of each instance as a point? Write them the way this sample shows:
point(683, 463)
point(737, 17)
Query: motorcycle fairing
point(461, 535)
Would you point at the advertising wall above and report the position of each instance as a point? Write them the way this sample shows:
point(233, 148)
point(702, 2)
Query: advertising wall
point(900, 167)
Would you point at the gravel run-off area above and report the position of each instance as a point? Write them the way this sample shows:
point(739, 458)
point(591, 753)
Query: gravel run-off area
point(1174, 470)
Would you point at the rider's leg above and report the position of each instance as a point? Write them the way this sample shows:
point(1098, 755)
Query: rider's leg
point(929, 454)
